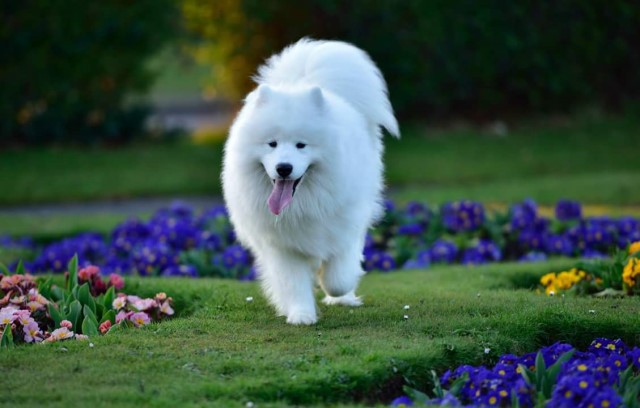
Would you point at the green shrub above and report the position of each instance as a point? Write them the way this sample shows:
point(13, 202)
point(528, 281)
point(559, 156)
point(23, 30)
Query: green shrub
point(66, 67)
point(444, 56)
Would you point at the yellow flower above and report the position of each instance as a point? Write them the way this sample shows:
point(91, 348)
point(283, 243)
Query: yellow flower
point(634, 247)
point(548, 279)
point(630, 271)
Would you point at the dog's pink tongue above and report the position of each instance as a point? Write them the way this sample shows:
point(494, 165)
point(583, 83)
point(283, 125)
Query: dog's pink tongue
point(281, 195)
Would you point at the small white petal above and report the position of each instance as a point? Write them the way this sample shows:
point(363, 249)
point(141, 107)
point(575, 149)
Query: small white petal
point(407, 307)
point(487, 350)
point(406, 317)
point(249, 299)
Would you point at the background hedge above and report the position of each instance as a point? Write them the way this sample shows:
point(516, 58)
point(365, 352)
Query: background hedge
point(444, 56)
point(66, 67)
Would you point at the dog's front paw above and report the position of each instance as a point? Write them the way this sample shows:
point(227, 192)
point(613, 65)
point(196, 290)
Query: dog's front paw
point(350, 299)
point(305, 318)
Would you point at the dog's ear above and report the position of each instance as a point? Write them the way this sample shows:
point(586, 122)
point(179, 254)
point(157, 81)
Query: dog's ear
point(264, 94)
point(316, 97)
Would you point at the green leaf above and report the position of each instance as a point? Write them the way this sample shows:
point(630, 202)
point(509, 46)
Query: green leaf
point(89, 327)
point(4, 270)
point(526, 374)
point(417, 396)
point(75, 313)
point(7, 338)
point(110, 315)
point(88, 313)
point(437, 386)
point(107, 301)
point(57, 293)
point(540, 370)
point(85, 298)
point(72, 268)
point(457, 385)
point(99, 310)
point(20, 268)
point(55, 314)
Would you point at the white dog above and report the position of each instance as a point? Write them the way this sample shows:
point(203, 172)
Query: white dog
point(302, 172)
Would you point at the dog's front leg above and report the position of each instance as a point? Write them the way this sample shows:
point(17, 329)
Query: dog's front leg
point(288, 281)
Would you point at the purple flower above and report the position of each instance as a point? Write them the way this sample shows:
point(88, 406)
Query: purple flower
point(559, 245)
point(462, 216)
point(413, 229)
point(484, 251)
point(386, 262)
point(181, 270)
point(443, 251)
point(524, 215)
point(420, 261)
point(235, 256)
point(533, 256)
point(567, 210)
point(250, 276)
point(531, 240)
point(402, 401)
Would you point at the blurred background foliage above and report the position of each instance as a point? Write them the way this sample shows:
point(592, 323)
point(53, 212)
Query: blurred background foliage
point(67, 69)
point(443, 57)
point(72, 71)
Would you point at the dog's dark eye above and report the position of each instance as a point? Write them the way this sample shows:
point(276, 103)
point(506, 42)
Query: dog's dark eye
point(273, 144)
point(301, 145)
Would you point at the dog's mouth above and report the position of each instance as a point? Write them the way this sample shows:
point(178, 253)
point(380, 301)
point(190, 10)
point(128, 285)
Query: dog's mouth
point(282, 194)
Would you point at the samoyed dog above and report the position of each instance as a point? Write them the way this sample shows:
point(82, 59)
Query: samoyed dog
point(302, 172)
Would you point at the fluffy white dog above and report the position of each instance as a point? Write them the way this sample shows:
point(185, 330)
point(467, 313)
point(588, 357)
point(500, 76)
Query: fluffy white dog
point(302, 172)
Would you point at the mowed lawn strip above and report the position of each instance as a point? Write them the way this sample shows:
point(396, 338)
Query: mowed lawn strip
point(596, 155)
point(225, 351)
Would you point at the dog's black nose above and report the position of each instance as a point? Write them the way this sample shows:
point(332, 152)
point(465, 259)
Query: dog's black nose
point(284, 169)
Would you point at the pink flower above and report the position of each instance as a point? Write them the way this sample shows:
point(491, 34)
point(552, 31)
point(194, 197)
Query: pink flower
point(60, 334)
point(122, 315)
point(81, 336)
point(144, 304)
point(116, 281)
point(166, 309)
point(66, 323)
point(33, 306)
point(7, 315)
point(161, 296)
point(32, 332)
point(24, 316)
point(140, 319)
point(85, 274)
point(105, 326)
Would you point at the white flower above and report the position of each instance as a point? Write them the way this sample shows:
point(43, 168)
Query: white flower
point(487, 350)
point(166, 309)
point(406, 317)
point(249, 299)
point(119, 302)
point(407, 307)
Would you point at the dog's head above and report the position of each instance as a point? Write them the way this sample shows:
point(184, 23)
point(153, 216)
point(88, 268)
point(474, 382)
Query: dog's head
point(288, 137)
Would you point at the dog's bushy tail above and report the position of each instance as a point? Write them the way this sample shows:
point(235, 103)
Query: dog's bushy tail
point(337, 67)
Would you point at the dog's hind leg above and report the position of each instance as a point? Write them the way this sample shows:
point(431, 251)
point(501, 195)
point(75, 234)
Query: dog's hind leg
point(339, 278)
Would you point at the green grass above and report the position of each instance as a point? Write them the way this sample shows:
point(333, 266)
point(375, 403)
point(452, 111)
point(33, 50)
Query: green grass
point(74, 174)
point(225, 351)
point(589, 158)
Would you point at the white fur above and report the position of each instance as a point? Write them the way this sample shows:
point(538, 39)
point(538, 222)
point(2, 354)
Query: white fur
point(329, 96)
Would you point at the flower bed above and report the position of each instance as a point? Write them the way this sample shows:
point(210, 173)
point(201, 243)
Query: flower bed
point(34, 312)
point(606, 375)
point(177, 242)
point(618, 275)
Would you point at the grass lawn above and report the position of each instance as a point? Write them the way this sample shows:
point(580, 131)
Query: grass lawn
point(589, 158)
point(225, 351)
